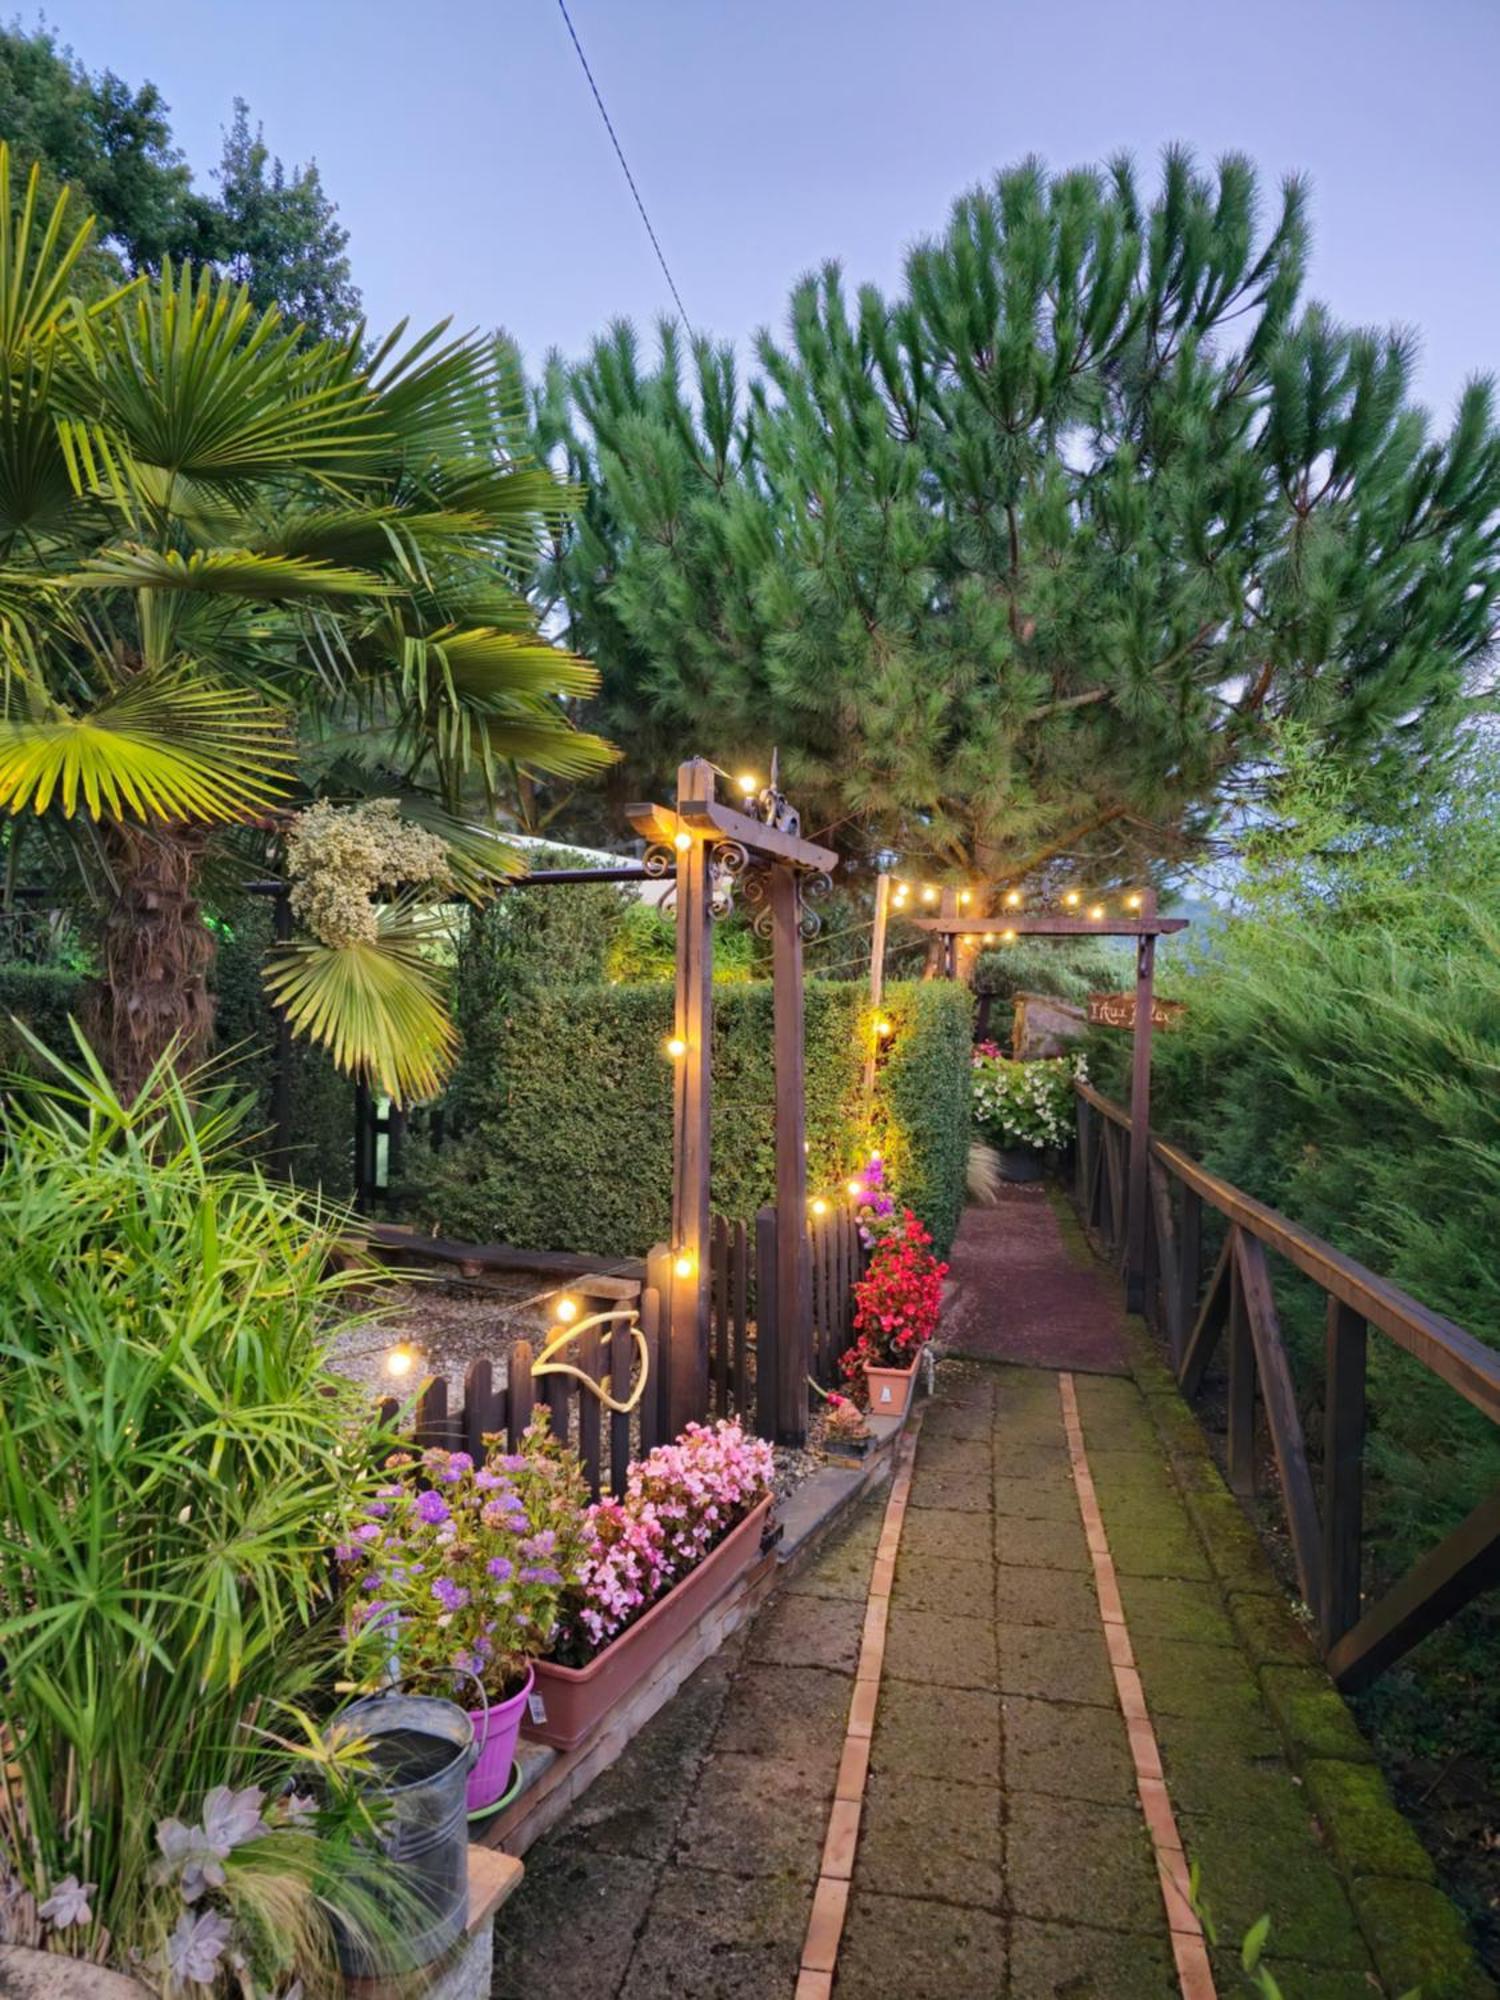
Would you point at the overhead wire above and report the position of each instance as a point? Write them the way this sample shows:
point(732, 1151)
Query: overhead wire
point(625, 169)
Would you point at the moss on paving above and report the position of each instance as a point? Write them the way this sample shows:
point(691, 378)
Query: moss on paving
point(921, 1950)
point(1064, 1855)
point(940, 1650)
point(1060, 1666)
point(1066, 1753)
point(1313, 1716)
point(1082, 1963)
point(1245, 1875)
point(1360, 1822)
point(919, 1836)
point(1419, 1940)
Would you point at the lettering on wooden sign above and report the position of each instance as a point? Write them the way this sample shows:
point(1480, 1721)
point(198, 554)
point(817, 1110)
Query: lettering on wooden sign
point(1117, 1010)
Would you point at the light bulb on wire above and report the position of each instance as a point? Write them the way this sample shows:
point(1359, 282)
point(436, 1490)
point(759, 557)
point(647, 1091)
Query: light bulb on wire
point(682, 841)
point(675, 1047)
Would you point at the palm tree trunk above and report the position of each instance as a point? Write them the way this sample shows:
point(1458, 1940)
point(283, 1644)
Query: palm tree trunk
point(152, 993)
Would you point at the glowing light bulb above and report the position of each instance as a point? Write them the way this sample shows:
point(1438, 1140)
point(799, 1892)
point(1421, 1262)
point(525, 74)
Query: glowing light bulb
point(1012, 899)
point(882, 1027)
point(819, 1206)
point(1007, 937)
point(1096, 913)
point(400, 1361)
point(874, 1155)
point(748, 784)
point(1072, 899)
point(567, 1309)
point(682, 841)
point(684, 1264)
point(989, 937)
point(929, 894)
point(963, 895)
point(856, 1188)
point(1133, 900)
point(676, 1048)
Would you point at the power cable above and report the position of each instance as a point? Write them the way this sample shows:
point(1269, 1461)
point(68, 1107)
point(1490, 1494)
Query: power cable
point(625, 169)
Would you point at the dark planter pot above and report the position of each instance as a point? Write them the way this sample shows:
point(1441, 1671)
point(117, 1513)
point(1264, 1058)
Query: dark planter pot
point(1021, 1163)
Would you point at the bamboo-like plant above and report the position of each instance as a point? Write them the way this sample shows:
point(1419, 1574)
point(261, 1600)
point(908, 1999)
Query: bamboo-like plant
point(176, 1462)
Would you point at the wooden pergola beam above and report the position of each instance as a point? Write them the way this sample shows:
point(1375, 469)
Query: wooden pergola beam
point(707, 820)
point(1049, 926)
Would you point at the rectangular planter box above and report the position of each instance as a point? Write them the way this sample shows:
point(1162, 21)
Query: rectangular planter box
point(890, 1388)
point(566, 1702)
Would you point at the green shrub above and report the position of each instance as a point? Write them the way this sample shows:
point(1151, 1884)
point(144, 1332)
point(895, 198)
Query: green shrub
point(42, 997)
point(922, 1109)
point(643, 946)
point(176, 1460)
point(567, 1143)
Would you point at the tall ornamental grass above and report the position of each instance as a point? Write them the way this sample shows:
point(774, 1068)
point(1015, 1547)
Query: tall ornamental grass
point(176, 1462)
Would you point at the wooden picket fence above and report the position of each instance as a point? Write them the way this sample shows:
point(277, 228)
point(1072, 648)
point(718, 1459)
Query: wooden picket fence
point(747, 1356)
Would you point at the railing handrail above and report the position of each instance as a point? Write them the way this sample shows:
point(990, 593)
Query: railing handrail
point(1458, 1357)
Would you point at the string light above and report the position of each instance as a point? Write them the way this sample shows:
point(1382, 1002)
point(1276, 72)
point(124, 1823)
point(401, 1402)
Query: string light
point(1133, 900)
point(1096, 913)
point(882, 1027)
point(989, 937)
point(1007, 937)
point(1012, 899)
point(684, 1264)
point(856, 1188)
point(682, 841)
point(400, 1361)
point(567, 1309)
point(819, 1206)
point(1072, 899)
point(963, 895)
point(676, 1048)
point(929, 894)
point(748, 785)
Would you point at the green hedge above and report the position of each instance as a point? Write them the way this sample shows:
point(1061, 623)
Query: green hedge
point(568, 1141)
point(923, 1120)
point(42, 997)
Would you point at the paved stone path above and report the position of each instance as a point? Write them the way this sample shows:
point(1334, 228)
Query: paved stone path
point(1017, 1295)
point(1003, 1852)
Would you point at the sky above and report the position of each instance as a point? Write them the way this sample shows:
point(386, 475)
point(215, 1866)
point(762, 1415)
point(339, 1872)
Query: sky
point(459, 139)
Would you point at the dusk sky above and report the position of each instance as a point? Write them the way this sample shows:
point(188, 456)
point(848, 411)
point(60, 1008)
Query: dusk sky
point(470, 166)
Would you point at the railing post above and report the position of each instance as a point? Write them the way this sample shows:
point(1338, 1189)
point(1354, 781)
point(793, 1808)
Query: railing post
point(1189, 1275)
point(1137, 1198)
point(1241, 1385)
point(1343, 1470)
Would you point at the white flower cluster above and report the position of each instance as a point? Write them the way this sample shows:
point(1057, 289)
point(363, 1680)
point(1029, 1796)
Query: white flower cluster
point(338, 856)
point(1025, 1103)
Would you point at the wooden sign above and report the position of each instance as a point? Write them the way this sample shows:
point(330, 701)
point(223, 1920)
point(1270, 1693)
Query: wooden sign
point(1117, 1010)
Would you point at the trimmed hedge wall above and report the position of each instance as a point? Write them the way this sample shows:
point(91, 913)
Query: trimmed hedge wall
point(922, 1101)
point(569, 1139)
point(43, 997)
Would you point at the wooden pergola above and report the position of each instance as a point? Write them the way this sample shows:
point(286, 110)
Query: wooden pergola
point(1145, 926)
point(756, 853)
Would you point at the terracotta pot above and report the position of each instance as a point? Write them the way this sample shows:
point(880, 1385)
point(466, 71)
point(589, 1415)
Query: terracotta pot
point(567, 1702)
point(495, 1731)
point(890, 1388)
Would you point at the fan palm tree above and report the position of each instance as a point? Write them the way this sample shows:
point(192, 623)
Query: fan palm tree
point(235, 575)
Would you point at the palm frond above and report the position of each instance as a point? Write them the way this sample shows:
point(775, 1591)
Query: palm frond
point(165, 748)
point(240, 573)
point(377, 1008)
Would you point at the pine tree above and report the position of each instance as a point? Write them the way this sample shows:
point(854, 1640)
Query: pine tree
point(1032, 562)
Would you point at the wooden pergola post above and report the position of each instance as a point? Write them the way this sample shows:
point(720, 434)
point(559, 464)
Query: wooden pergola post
point(877, 973)
point(687, 1316)
point(1138, 1190)
point(793, 1269)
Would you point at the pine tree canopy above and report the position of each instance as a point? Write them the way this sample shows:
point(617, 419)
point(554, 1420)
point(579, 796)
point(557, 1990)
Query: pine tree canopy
point(1031, 562)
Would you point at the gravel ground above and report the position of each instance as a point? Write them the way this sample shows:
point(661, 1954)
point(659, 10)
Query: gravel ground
point(447, 1324)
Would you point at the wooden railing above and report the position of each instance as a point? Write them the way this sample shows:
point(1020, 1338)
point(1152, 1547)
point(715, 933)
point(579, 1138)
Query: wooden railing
point(1236, 1302)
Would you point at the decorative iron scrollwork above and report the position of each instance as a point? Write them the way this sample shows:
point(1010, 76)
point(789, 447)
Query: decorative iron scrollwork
point(727, 863)
point(756, 889)
point(811, 888)
point(659, 860)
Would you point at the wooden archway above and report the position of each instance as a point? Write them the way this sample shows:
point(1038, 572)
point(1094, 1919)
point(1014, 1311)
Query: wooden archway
point(758, 855)
point(1145, 926)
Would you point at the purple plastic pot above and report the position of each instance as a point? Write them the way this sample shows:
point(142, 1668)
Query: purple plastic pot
point(495, 1731)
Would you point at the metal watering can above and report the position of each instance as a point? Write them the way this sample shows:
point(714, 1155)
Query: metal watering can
point(422, 1749)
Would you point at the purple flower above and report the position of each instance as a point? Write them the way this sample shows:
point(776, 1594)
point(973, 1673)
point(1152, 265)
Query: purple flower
point(501, 1568)
point(459, 1462)
point(452, 1596)
point(540, 1545)
point(367, 1532)
point(513, 1461)
point(432, 1508)
point(68, 1904)
point(540, 1575)
point(344, 1552)
point(486, 1480)
point(196, 1946)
